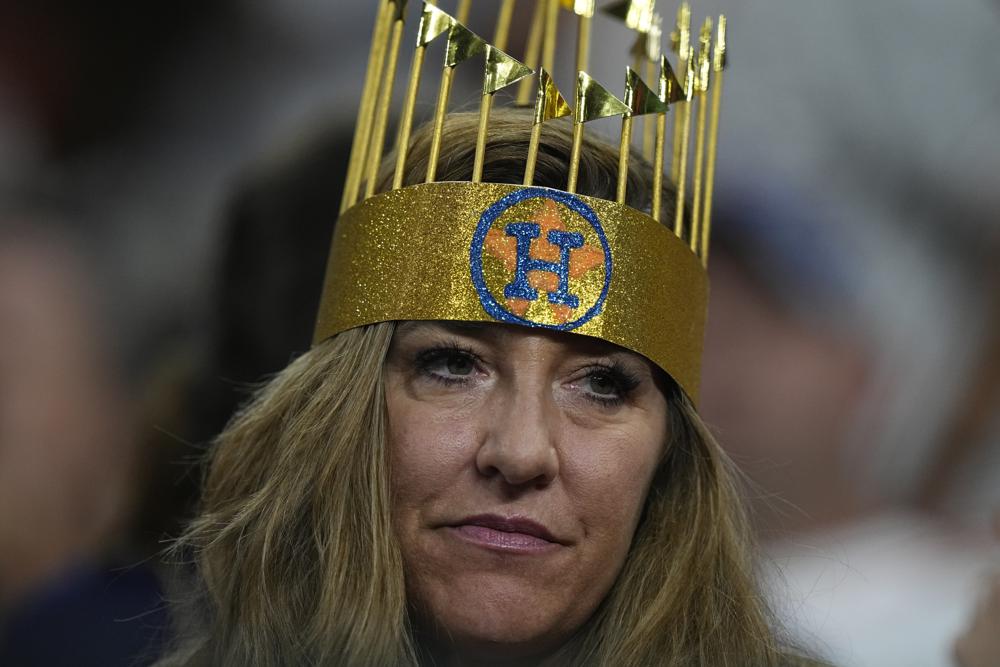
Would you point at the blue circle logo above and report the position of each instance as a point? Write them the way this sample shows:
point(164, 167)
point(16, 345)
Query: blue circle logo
point(540, 258)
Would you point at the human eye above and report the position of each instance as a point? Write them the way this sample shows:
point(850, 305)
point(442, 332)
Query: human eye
point(608, 385)
point(447, 365)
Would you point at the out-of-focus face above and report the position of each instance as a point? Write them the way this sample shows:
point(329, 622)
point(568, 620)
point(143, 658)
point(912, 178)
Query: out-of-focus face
point(520, 462)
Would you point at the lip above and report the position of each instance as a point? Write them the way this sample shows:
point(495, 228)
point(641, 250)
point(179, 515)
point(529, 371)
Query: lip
point(514, 534)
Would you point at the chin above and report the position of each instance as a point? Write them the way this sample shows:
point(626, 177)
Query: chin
point(497, 614)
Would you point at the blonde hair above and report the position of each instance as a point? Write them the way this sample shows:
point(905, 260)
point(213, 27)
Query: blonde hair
point(295, 551)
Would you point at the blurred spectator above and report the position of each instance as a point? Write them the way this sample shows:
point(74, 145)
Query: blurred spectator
point(979, 645)
point(798, 366)
point(68, 466)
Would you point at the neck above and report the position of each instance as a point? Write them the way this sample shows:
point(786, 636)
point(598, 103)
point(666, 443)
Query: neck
point(442, 652)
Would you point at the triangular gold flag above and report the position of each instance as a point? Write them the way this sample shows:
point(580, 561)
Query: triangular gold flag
point(502, 70)
point(671, 90)
point(433, 24)
point(462, 45)
point(579, 7)
point(594, 101)
point(638, 96)
point(550, 103)
point(654, 38)
point(637, 14)
point(721, 55)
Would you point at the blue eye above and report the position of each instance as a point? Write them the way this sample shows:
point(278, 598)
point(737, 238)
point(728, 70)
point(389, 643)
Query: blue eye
point(448, 365)
point(603, 384)
point(459, 364)
point(609, 386)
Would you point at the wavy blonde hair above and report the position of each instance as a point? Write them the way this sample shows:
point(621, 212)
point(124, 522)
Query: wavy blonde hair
point(296, 557)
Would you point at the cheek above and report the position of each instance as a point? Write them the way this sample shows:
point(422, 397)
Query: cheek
point(428, 448)
point(611, 478)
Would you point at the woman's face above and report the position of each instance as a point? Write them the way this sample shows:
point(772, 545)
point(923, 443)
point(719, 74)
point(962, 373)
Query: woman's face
point(520, 461)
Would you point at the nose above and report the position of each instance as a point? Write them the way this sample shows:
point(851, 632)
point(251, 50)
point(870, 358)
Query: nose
point(519, 446)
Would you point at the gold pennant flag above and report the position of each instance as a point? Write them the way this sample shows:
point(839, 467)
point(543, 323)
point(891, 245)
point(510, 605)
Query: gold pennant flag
point(639, 98)
point(654, 38)
point(579, 7)
point(680, 38)
point(433, 24)
point(671, 90)
point(704, 62)
point(594, 101)
point(637, 14)
point(550, 103)
point(720, 58)
point(462, 45)
point(502, 70)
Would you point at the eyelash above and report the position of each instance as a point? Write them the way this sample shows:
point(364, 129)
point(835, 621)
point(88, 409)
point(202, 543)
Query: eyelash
point(426, 359)
point(623, 381)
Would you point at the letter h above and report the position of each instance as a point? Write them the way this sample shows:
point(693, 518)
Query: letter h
point(525, 233)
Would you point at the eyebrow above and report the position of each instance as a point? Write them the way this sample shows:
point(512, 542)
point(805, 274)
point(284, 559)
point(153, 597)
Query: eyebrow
point(491, 332)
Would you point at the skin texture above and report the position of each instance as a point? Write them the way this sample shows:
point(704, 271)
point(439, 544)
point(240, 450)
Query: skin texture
point(557, 428)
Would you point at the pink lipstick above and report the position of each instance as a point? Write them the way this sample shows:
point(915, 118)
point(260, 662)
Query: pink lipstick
point(506, 534)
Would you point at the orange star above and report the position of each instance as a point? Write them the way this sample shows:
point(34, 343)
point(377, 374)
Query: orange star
point(582, 260)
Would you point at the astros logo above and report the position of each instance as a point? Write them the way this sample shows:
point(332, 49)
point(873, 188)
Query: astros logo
point(540, 257)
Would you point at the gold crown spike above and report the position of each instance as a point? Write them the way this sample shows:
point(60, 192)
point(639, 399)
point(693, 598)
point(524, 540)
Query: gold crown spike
point(462, 11)
point(680, 41)
point(381, 121)
point(532, 50)
point(550, 34)
point(637, 14)
point(362, 130)
point(640, 100)
point(703, 69)
point(621, 274)
point(640, 15)
point(549, 105)
point(671, 92)
point(584, 10)
point(462, 45)
point(502, 32)
point(718, 65)
point(593, 101)
point(681, 148)
point(433, 24)
point(501, 71)
point(653, 46)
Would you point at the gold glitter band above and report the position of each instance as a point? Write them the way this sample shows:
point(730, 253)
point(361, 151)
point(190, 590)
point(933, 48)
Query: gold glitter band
point(462, 251)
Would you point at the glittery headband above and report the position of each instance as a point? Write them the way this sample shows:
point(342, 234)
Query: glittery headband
point(527, 255)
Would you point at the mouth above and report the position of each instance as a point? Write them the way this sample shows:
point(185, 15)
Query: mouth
point(505, 534)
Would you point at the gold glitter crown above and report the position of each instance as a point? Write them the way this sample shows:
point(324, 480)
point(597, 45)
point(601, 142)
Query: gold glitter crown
point(522, 254)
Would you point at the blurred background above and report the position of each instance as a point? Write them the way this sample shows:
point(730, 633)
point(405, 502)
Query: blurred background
point(169, 179)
